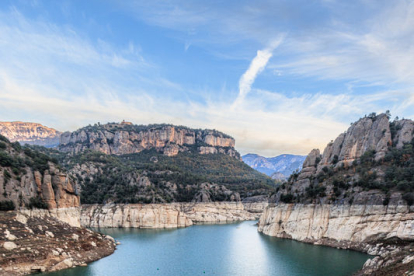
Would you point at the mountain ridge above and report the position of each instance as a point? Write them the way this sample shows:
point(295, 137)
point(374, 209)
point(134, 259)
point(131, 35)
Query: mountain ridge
point(30, 133)
point(284, 164)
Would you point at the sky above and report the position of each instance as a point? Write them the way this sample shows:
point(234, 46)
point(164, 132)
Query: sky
point(278, 76)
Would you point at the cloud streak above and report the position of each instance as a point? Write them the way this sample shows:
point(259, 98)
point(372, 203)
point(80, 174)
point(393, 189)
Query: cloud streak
point(256, 66)
point(54, 75)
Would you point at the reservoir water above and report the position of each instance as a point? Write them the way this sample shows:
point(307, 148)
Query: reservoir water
point(220, 249)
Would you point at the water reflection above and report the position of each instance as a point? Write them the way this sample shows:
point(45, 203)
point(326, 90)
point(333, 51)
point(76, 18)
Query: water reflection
point(229, 249)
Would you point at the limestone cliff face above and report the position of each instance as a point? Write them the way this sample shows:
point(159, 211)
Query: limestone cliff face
point(30, 133)
point(125, 138)
point(354, 166)
point(173, 215)
point(342, 225)
point(384, 231)
point(29, 178)
point(368, 133)
point(363, 135)
point(55, 188)
point(404, 132)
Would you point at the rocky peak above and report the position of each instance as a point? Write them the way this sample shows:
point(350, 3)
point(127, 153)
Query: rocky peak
point(126, 138)
point(368, 133)
point(369, 163)
point(30, 133)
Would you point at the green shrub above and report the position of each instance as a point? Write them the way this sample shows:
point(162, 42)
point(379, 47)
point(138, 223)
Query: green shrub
point(37, 202)
point(409, 198)
point(7, 205)
point(286, 198)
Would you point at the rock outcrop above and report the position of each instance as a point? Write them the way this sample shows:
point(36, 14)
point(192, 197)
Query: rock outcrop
point(126, 138)
point(404, 132)
point(31, 244)
point(345, 226)
point(356, 166)
point(55, 188)
point(173, 215)
point(30, 133)
point(30, 179)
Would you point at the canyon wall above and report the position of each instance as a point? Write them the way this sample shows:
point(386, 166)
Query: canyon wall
point(344, 226)
point(173, 215)
point(54, 187)
point(126, 138)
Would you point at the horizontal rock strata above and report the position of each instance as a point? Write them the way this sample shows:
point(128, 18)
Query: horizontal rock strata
point(341, 223)
point(384, 231)
point(125, 138)
point(173, 215)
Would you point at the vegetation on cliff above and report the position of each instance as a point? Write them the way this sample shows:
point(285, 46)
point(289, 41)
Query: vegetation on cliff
point(151, 177)
point(376, 177)
point(31, 178)
point(126, 138)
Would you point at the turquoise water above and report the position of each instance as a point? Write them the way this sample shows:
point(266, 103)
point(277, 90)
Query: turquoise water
point(226, 249)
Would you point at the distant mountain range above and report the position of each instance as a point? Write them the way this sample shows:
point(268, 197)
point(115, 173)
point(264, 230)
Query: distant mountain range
point(30, 133)
point(279, 167)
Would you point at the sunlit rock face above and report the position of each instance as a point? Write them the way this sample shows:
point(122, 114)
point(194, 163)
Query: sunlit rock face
point(374, 135)
point(55, 188)
point(30, 133)
point(365, 134)
point(348, 225)
point(172, 215)
point(126, 138)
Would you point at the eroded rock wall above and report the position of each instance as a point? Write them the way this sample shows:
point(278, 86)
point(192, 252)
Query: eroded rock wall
point(346, 226)
point(173, 215)
point(125, 138)
point(54, 187)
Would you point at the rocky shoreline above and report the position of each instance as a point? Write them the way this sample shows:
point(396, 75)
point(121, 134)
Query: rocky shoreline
point(386, 232)
point(53, 239)
point(30, 244)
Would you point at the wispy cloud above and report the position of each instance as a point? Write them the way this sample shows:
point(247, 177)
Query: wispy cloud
point(257, 65)
point(57, 75)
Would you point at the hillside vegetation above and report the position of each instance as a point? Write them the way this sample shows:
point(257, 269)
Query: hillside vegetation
point(152, 177)
point(382, 174)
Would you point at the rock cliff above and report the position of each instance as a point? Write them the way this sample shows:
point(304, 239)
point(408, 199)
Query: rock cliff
point(126, 138)
point(369, 163)
point(384, 231)
point(30, 133)
point(345, 226)
point(31, 179)
point(173, 215)
point(358, 194)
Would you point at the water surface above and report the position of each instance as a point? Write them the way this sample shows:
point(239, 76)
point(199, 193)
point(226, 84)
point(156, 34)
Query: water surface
point(226, 249)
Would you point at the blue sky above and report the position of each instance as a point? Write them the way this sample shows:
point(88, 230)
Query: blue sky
point(279, 76)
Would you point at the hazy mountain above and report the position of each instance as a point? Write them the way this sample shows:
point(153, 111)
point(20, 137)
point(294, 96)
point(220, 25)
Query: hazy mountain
point(284, 164)
point(30, 133)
